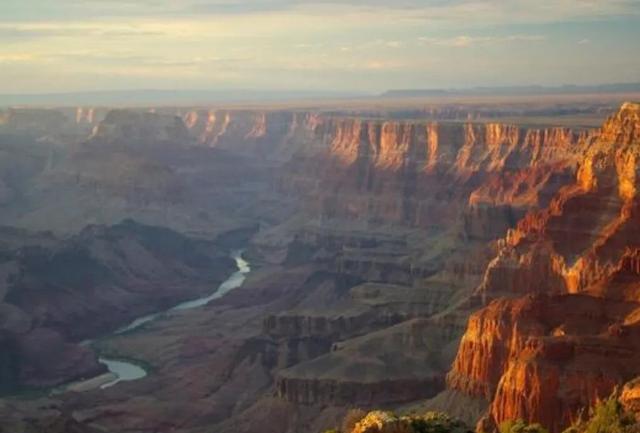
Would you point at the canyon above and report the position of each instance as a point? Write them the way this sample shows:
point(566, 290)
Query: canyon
point(432, 258)
point(572, 338)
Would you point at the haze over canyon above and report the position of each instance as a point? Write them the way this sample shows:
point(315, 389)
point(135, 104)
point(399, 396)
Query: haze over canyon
point(433, 257)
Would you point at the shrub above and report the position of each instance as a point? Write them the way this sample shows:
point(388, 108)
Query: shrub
point(607, 416)
point(388, 422)
point(436, 422)
point(351, 418)
point(520, 426)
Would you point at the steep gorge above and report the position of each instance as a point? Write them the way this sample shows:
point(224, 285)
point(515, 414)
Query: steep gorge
point(377, 239)
point(374, 193)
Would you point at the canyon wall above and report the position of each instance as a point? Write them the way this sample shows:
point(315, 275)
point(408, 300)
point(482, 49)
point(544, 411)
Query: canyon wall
point(428, 174)
point(573, 337)
point(399, 228)
point(408, 172)
point(371, 190)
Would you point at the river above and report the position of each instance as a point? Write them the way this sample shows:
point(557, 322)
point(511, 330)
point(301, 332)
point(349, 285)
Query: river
point(123, 370)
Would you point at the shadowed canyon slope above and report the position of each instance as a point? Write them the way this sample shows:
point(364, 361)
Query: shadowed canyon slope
point(376, 241)
point(56, 293)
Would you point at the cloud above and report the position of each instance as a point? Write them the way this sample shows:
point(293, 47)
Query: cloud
point(539, 10)
point(336, 43)
point(31, 31)
point(487, 11)
point(464, 41)
point(309, 46)
point(584, 42)
point(16, 58)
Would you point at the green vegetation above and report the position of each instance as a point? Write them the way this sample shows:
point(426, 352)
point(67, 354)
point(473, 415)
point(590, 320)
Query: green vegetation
point(519, 426)
point(607, 416)
point(437, 422)
point(358, 421)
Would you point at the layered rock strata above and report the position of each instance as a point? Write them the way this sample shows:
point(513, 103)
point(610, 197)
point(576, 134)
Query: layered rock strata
point(574, 336)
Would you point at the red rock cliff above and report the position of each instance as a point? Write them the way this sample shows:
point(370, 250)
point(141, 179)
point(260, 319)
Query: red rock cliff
point(430, 174)
point(544, 357)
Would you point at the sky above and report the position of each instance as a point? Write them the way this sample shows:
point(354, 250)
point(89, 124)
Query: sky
point(320, 45)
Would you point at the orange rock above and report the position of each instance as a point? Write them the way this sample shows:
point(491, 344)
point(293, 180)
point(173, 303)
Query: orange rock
point(543, 358)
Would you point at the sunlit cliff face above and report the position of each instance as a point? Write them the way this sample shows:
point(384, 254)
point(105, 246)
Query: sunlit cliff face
point(546, 355)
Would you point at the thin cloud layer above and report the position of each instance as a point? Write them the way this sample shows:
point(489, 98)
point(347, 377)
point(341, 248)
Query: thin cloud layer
point(526, 10)
point(350, 45)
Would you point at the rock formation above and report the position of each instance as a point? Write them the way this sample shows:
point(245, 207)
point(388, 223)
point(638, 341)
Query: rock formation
point(547, 355)
point(56, 293)
point(427, 174)
point(630, 397)
point(378, 236)
point(136, 127)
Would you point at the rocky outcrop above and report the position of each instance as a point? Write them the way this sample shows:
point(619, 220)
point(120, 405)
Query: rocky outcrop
point(423, 174)
point(630, 397)
point(321, 391)
point(59, 126)
point(378, 191)
point(136, 127)
point(47, 359)
point(369, 185)
point(580, 241)
point(33, 121)
point(408, 173)
point(544, 357)
point(88, 115)
point(354, 372)
point(270, 135)
point(35, 356)
point(138, 164)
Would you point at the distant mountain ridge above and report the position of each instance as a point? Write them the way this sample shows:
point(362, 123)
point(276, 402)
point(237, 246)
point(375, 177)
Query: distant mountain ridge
point(515, 90)
point(155, 97)
point(161, 97)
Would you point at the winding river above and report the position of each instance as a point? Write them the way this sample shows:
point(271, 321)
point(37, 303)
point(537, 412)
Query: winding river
point(124, 371)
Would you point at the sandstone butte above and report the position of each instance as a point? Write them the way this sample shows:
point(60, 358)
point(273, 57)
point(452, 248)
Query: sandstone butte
point(560, 324)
